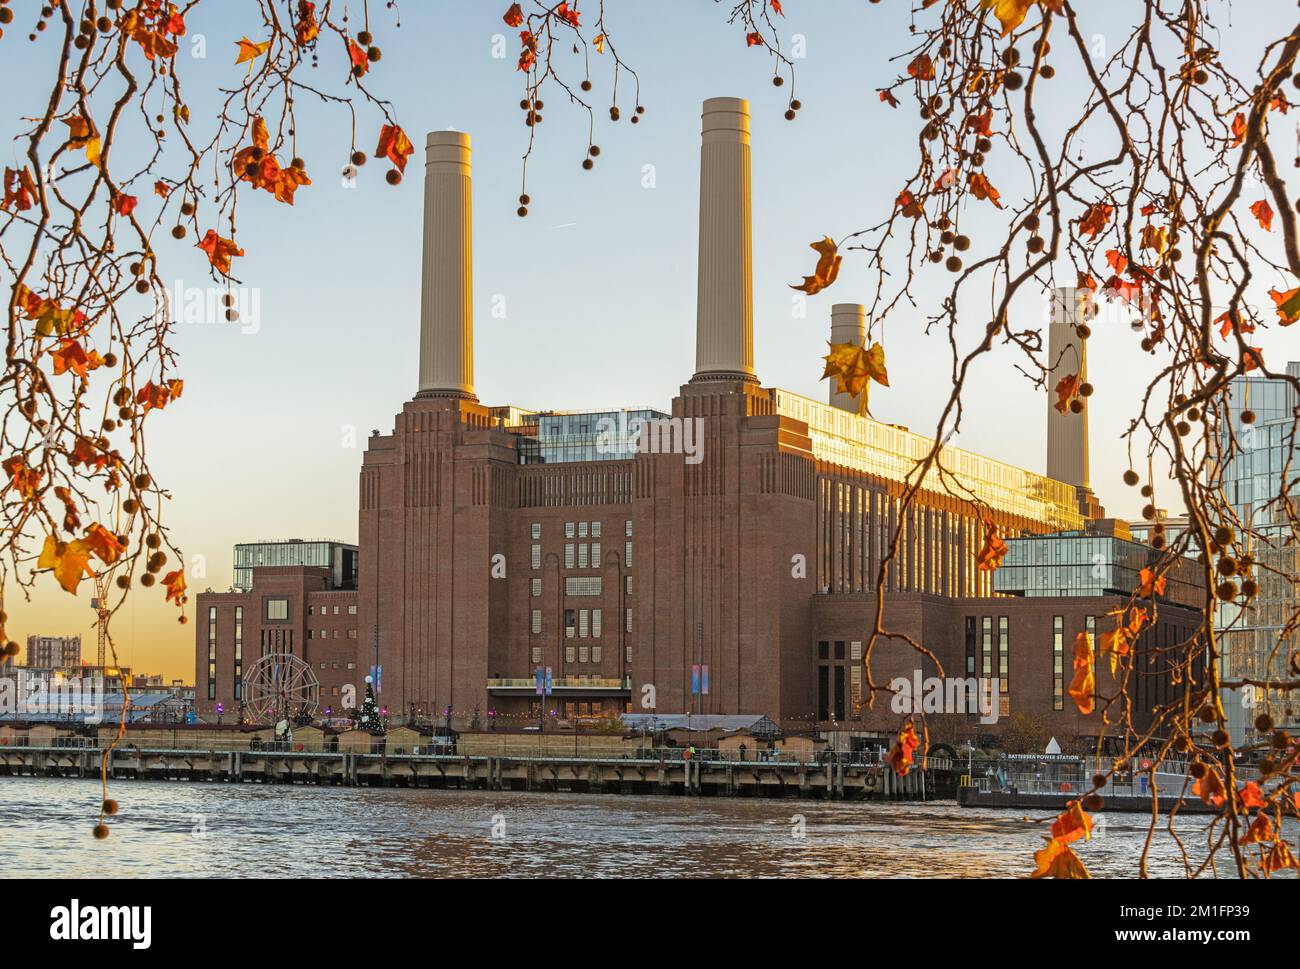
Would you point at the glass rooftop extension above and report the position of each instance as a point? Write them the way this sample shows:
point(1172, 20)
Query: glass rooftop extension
point(863, 444)
point(560, 437)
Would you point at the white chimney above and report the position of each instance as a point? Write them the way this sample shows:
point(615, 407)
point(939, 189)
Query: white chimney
point(1067, 434)
point(446, 288)
point(724, 325)
point(848, 325)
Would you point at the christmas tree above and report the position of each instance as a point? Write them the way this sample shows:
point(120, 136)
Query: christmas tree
point(368, 718)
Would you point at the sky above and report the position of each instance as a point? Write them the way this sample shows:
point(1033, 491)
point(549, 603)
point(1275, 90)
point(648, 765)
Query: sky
point(589, 302)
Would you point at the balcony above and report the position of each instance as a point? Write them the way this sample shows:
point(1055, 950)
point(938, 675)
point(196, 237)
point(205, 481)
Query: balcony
point(594, 686)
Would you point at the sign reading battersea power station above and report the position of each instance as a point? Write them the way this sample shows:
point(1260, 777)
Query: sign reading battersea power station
point(720, 558)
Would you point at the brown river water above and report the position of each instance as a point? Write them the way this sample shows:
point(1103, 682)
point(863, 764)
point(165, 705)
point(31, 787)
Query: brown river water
point(247, 830)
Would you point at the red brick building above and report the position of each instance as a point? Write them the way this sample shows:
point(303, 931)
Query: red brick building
point(718, 565)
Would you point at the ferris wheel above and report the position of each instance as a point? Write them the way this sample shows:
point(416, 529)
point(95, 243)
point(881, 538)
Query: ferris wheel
point(280, 686)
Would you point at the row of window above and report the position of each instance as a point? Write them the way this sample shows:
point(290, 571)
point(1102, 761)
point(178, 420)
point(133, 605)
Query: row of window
point(579, 529)
point(325, 634)
point(324, 610)
point(579, 555)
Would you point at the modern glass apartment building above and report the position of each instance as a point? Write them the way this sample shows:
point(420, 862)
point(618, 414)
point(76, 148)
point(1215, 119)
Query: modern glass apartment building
point(1088, 563)
point(1253, 638)
point(339, 557)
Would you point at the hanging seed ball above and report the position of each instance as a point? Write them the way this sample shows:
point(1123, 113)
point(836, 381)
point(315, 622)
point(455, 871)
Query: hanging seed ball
point(1183, 428)
point(1193, 414)
point(1085, 390)
point(936, 256)
point(797, 104)
point(152, 540)
point(136, 269)
point(1036, 243)
point(585, 85)
point(187, 208)
point(961, 243)
point(613, 114)
point(1157, 542)
point(156, 561)
point(147, 579)
point(789, 115)
point(1098, 781)
point(123, 582)
point(944, 222)
point(1248, 417)
point(178, 232)
point(1047, 71)
point(777, 80)
point(393, 177)
point(6, 15)
point(1146, 491)
point(588, 164)
point(1013, 82)
point(1197, 770)
point(522, 211)
point(1223, 535)
point(142, 287)
point(1267, 766)
point(100, 832)
point(1032, 222)
point(11, 649)
point(104, 25)
point(1280, 739)
point(524, 199)
point(1227, 566)
point(1092, 801)
point(110, 359)
point(1149, 512)
point(1076, 406)
point(1220, 738)
point(1226, 591)
point(182, 619)
point(110, 807)
point(374, 55)
point(1264, 723)
point(953, 264)
point(297, 163)
point(358, 158)
point(1182, 745)
point(80, 42)
point(1011, 57)
point(1200, 77)
point(594, 150)
point(635, 119)
point(1249, 588)
point(977, 159)
point(947, 238)
point(364, 38)
point(985, 145)
point(1084, 331)
point(640, 109)
point(142, 481)
point(130, 506)
point(232, 316)
point(523, 105)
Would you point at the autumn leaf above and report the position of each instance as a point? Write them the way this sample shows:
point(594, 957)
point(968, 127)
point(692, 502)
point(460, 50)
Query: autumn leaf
point(22, 479)
point(161, 189)
point(1083, 686)
point(1260, 830)
point(71, 355)
point(1288, 305)
point(174, 583)
point(598, 42)
point(981, 124)
point(1010, 13)
point(981, 188)
point(249, 52)
point(1058, 860)
point(1252, 796)
point(124, 204)
point(69, 561)
point(921, 68)
point(994, 550)
point(567, 14)
point(1230, 322)
point(1262, 211)
point(888, 98)
point(1067, 389)
point(1278, 858)
point(1116, 260)
point(360, 60)
point(152, 395)
point(1094, 221)
point(1074, 822)
point(908, 203)
point(82, 134)
point(306, 28)
point(1209, 787)
point(1155, 237)
point(1238, 129)
point(827, 269)
point(900, 754)
point(1149, 584)
point(394, 145)
point(753, 39)
point(103, 543)
point(854, 367)
point(20, 190)
point(220, 251)
point(514, 16)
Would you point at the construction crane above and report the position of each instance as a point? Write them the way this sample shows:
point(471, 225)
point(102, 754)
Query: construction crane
point(100, 604)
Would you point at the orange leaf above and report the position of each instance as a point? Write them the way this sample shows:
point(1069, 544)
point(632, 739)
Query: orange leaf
point(1262, 211)
point(981, 188)
point(888, 98)
point(1288, 305)
point(1072, 823)
point(220, 251)
point(1149, 583)
point(394, 145)
point(360, 61)
point(1067, 388)
point(514, 16)
point(827, 269)
point(900, 754)
point(20, 190)
point(1084, 684)
point(1093, 222)
point(921, 68)
point(174, 583)
point(305, 28)
point(104, 544)
point(1057, 860)
point(1210, 788)
point(249, 52)
point(1252, 796)
point(1238, 129)
point(990, 556)
point(69, 561)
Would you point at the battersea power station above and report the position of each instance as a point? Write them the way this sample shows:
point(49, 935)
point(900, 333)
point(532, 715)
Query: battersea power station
point(521, 568)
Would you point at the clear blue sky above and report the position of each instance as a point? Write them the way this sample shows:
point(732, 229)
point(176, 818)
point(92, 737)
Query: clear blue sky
point(598, 282)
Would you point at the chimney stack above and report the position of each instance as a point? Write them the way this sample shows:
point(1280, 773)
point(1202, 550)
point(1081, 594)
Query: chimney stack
point(1067, 434)
point(848, 325)
point(446, 284)
point(724, 325)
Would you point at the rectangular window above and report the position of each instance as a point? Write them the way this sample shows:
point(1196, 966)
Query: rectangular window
point(212, 652)
point(1058, 663)
point(570, 618)
point(595, 654)
point(582, 585)
point(277, 610)
point(595, 529)
point(1004, 655)
point(970, 646)
point(595, 624)
point(570, 654)
point(584, 654)
point(582, 623)
point(535, 588)
point(537, 654)
point(986, 651)
point(536, 557)
point(536, 530)
point(568, 529)
point(627, 528)
point(582, 529)
point(595, 555)
point(352, 634)
point(568, 556)
point(627, 555)
point(239, 652)
point(627, 655)
point(537, 621)
point(582, 555)
point(352, 610)
point(627, 620)
point(627, 584)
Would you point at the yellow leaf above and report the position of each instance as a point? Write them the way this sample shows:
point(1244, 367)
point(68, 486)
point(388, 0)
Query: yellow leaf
point(1010, 13)
point(248, 51)
point(68, 560)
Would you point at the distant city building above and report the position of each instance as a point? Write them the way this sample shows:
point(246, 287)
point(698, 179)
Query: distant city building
point(522, 566)
point(53, 652)
point(1257, 642)
point(339, 557)
point(1165, 527)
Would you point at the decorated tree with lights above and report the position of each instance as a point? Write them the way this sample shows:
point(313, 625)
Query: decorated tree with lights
point(368, 717)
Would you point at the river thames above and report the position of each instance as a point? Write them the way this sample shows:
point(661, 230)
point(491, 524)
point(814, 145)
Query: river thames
point(224, 830)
